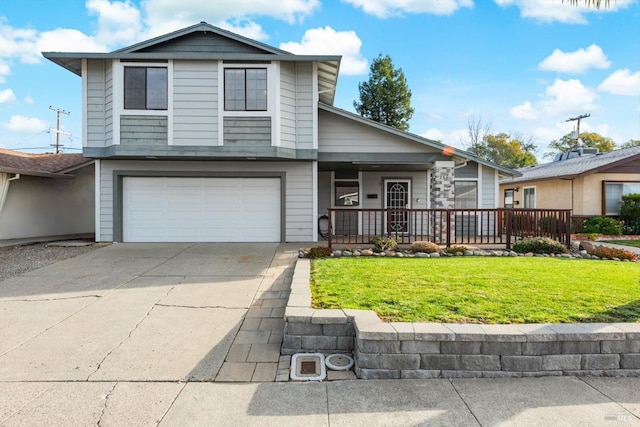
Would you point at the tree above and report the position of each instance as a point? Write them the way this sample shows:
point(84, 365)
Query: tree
point(385, 98)
point(506, 150)
point(631, 143)
point(589, 140)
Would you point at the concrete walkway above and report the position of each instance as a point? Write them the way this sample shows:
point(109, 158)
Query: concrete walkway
point(189, 334)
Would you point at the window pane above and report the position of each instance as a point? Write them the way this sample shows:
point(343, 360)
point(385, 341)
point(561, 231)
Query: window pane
point(156, 88)
point(134, 88)
point(613, 198)
point(466, 194)
point(245, 89)
point(631, 188)
point(529, 195)
point(234, 89)
point(347, 193)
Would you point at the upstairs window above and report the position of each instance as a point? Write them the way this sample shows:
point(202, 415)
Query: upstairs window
point(145, 88)
point(245, 89)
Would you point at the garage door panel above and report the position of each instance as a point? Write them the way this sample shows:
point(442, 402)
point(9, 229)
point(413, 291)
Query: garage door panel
point(169, 209)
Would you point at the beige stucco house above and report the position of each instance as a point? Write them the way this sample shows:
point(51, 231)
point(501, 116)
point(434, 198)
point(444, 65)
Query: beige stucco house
point(588, 182)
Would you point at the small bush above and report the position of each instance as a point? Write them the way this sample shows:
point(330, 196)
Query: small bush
point(630, 213)
point(539, 245)
point(603, 225)
point(610, 253)
point(381, 244)
point(424, 246)
point(319, 252)
point(456, 249)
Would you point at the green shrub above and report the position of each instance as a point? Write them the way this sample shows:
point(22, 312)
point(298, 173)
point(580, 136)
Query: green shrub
point(539, 245)
point(630, 213)
point(603, 225)
point(381, 244)
point(319, 252)
point(424, 246)
point(456, 249)
point(610, 253)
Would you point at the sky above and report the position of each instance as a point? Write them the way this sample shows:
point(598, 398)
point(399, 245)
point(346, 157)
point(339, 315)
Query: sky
point(521, 66)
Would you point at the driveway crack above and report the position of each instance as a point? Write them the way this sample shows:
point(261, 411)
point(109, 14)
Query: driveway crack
point(106, 403)
point(142, 319)
point(200, 306)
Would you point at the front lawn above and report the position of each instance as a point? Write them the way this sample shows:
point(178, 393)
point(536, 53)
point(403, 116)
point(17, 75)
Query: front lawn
point(635, 243)
point(480, 290)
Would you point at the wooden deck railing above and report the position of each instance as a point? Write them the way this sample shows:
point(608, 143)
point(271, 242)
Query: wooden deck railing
point(448, 226)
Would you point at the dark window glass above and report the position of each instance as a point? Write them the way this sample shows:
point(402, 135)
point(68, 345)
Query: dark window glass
point(145, 88)
point(347, 193)
point(245, 89)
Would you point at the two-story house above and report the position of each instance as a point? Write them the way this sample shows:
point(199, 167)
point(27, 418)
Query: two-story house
point(205, 135)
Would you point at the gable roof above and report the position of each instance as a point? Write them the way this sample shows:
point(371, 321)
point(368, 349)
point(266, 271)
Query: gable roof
point(152, 49)
point(451, 151)
point(573, 168)
point(44, 165)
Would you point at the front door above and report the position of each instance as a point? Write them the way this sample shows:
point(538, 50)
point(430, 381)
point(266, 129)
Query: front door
point(397, 195)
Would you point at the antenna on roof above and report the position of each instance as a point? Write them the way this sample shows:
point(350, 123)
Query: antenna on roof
point(576, 134)
point(57, 129)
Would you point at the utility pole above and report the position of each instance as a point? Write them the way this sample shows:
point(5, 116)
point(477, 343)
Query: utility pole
point(57, 129)
point(580, 117)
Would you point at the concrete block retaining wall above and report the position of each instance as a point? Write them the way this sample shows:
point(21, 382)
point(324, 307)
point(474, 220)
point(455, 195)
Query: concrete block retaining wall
point(432, 350)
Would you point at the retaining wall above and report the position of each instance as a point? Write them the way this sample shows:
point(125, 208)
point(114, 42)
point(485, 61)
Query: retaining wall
point(433, 350)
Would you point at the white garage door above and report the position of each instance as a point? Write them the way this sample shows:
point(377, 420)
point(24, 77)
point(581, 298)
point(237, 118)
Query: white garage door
point(201, 209)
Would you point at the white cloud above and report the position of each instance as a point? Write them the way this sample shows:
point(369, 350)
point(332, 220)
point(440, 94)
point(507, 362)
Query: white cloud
point(118, 22)
point(387, 8)
point(245, 27)
point(434, 134)
point(578, 61)
point(19, 123)
point(622, 82)
point(5, 70)
point(66, 40)
point(7, 95)
point(566, 96)
point(29, 99)
point(524, 111)
point(559, 11)
point(177, 14)
point(327, 41)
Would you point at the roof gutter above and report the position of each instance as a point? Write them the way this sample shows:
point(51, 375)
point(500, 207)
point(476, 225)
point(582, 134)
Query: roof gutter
point(35, 173)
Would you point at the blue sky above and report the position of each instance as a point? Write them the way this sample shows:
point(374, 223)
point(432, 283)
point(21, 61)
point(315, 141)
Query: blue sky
point(523, 66)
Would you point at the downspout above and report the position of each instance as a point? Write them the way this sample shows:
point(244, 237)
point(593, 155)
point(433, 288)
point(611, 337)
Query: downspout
point(5, 189)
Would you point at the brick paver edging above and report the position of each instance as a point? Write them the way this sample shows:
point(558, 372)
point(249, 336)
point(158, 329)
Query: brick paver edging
point(433, 350)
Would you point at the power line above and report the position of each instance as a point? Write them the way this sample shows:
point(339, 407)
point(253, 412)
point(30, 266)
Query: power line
point(57, 130)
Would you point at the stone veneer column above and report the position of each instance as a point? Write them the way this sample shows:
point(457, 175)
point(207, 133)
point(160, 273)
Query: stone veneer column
point(442, 194)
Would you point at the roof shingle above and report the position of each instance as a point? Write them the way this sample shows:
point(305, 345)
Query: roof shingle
point(39, 163)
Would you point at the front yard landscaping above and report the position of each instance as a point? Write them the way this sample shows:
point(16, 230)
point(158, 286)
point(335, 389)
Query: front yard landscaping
point(480, 289)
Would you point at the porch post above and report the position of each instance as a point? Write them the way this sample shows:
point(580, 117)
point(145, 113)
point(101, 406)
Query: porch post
point(442, 197)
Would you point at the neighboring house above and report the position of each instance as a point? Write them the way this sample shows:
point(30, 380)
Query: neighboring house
point(205, 135)
point(588, 182)
point(44, 195)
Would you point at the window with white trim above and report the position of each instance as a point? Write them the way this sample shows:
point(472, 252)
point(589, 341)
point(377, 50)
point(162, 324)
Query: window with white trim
point(529, 197)
point(145, 88)
point(466, 194)
point(245, 89)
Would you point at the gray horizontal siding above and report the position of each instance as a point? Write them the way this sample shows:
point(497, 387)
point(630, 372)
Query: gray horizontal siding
point(488, 186)
point(96, 115)
point(195, 103)
point(468, 171)
point(203, 42)
point(143, 130)
point(247, 131)
point(305, 105)
point(299, 215)
point(337, 134)
point(288, 105)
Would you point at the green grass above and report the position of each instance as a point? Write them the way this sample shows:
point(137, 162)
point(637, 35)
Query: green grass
point(635, 243)
point(480, 290)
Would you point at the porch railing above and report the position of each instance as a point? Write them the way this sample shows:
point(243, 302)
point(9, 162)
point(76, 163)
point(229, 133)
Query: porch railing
point(448, 226)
